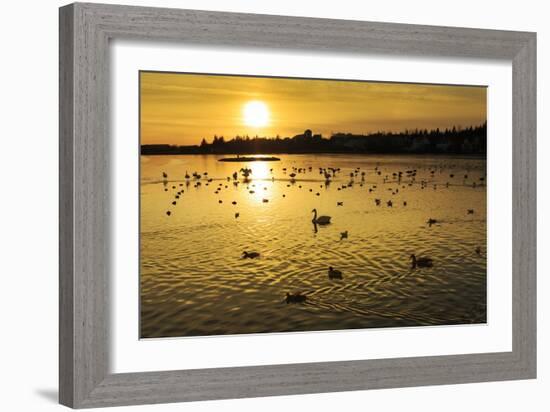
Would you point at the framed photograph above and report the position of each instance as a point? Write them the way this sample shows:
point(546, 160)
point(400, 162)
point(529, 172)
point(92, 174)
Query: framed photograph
point(256, 205)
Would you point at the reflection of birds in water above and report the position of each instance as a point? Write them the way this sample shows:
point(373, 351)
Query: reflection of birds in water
point(250, 255)
point(421, 262)
point(296, 297)
point(321, 220)
point(334, 274)
point(343, 235)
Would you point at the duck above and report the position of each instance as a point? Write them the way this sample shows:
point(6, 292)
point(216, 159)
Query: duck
point(421, 262)
point(297, 297)
point(321, 220)
point(250, 255)
point(343, 235)
point(334, 274)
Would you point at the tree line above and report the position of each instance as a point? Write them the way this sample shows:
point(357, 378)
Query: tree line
point(455, 140)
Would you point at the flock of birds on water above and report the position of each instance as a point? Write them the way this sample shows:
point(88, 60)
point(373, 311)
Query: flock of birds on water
point(401, 179)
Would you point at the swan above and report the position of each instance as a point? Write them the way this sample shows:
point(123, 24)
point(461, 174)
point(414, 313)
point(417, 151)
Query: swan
point(321, 220)
point(334, 274)
point(250, 255)
point(421, 262)
point(297, 297)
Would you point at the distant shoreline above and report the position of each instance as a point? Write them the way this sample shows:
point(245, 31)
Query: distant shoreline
point(464, 141)
point(244, 157)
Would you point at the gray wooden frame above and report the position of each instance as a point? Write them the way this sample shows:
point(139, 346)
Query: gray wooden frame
point(85, 31)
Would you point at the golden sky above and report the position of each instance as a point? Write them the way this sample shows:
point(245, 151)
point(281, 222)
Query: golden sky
point(183, 108)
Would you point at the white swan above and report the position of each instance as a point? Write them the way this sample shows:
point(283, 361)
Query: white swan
point(321, 220)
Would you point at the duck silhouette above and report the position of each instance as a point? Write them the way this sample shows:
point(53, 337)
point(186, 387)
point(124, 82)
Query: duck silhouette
point(421, 262)
point(334, 274)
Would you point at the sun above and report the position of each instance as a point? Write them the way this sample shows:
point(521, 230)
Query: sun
point(256, 114)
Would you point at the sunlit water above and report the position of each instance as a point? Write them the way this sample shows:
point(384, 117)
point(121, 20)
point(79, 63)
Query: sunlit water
point(194, 280)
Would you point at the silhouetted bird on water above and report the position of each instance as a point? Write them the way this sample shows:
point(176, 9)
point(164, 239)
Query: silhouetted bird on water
point(321, 220)
point(296, 297)
point(431, 221)
point(343, 235)
point(470, 211)
point(421, 262)
point(250, 255)
point(334, 274)
point(339, 203)
point(168, 213)
point(237, 215)
point(478, 250)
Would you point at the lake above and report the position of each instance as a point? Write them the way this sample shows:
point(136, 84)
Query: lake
point(195, 282)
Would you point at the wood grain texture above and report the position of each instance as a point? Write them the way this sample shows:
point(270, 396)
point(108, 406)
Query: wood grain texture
point(85, 31)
